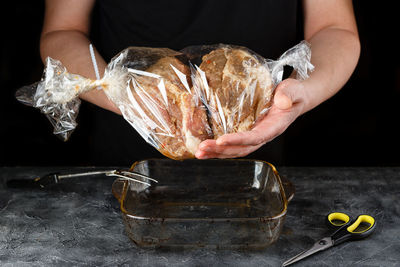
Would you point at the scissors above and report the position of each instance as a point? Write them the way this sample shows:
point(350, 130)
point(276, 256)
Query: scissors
point(347, 230)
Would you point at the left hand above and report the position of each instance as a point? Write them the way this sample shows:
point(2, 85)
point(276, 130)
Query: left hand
point(289, 102)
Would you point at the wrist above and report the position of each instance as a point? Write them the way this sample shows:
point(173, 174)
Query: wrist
point(308, 96)
point(99, 98)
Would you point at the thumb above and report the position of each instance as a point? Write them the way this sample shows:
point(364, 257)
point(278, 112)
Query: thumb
point(286, 94)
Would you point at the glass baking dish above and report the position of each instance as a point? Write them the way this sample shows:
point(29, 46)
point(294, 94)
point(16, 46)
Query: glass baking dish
point(229, 204)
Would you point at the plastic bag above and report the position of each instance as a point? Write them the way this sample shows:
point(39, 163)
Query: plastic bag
point(174, 100)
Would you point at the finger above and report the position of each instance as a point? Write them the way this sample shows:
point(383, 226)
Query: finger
point(250, 138)
point(226, 151)
point(238, 153)
point(207, 143)
point(210, 156)
point(282, 100)
point(270, 127)
point(287, 93)
point(200, 154)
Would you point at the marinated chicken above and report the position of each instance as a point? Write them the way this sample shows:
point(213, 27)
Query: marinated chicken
point(170, 113)
point(238, 90)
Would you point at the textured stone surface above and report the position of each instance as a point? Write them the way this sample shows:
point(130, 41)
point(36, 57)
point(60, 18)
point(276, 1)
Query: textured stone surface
point(78, 223)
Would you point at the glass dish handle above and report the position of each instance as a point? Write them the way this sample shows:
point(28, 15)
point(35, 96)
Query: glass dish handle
point(118, 188)
point(288, 187)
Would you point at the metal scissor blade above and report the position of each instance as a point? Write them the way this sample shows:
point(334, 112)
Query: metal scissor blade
point(87, 173)
point(129, 178)
point(133, 176)
point(322, 244)
point(55, 178)
point(50, 179)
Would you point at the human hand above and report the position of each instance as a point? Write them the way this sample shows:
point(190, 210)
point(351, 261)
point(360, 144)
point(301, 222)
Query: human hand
point(289, 102)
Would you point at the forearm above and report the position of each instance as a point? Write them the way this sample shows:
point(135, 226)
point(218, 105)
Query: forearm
point(335, 53)
point(72, 49)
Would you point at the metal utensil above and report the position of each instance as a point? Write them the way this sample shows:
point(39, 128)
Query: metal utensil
point(347, 230)
point(55, 178)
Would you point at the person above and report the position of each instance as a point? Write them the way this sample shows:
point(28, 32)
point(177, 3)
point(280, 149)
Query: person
point(267, 27)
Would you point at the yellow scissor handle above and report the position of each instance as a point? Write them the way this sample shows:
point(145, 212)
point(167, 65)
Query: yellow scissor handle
point(338, 218)
point(361, 219)
point(362, 227)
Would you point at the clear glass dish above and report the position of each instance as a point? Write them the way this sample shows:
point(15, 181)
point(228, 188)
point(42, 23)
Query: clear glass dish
point(232, 204)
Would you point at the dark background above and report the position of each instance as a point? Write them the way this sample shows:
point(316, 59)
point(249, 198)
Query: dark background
point(357, 127)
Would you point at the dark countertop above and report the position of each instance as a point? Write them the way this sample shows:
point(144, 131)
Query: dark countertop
point(79, 223)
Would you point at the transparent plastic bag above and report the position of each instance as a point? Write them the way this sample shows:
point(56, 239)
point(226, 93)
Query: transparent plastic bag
point(174, 100)
point(236, 85)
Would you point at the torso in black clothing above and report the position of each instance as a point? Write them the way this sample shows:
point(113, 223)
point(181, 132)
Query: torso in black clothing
point(267, 27)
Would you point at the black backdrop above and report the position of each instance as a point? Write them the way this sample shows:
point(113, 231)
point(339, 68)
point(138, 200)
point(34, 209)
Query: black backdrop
point(358, 126)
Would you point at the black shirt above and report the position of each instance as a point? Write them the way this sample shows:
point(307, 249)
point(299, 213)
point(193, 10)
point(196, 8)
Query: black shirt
point(268, 27)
